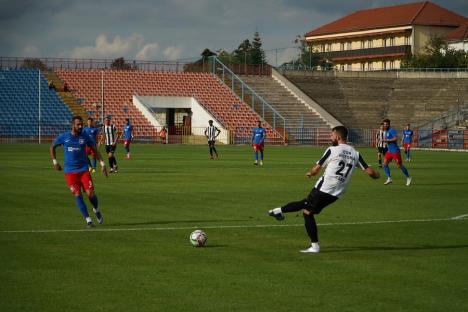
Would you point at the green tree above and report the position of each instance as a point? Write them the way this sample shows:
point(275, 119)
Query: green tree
point(257, 54)
point(242, 55)
point(437, 54)
point(121, 64)
point(34, 63)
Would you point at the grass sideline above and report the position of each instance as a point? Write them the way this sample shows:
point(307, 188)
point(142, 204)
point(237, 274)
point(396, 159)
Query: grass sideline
point(251, 262)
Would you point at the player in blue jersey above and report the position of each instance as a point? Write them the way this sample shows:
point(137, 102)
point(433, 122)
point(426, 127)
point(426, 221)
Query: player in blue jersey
point(407, 140)
point(258, 142)
point(393, 153)
point(127, 136)
point(93, 132)
point(76, 171)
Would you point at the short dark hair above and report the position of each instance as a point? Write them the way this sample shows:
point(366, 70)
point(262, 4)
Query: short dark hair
point(342, 131)
point(210, 121)
point(76, 117)
point(90, 118)
point(386, 120)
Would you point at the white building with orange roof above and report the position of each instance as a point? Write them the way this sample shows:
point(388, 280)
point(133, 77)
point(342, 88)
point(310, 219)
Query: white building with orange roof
point(380, 38)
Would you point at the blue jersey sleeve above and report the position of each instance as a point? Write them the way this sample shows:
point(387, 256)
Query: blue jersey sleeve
point(60, 140)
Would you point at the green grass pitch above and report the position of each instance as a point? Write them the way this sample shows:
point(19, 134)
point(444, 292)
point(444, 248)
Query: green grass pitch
point(141, 258)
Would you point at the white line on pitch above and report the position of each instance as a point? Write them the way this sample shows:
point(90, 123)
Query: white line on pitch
point(227, 226)
point(460, 217)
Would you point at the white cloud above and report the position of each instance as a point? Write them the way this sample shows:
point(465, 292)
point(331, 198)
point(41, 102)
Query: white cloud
point(132, 47)
point(148, 52)
point(104, 48)
point(30, 50)
point(172, 53)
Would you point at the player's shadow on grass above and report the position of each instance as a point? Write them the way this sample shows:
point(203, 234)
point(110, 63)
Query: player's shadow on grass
point(174, 222)
point(332, 249)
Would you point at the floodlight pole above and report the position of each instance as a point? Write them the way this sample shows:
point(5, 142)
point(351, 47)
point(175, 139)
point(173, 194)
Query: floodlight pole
point(39, 102)
point(102, 96)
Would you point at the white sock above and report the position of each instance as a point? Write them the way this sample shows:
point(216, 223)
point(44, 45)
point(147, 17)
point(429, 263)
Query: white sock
point(277, 210)
point(315, 245)
point(95, 210)
point(88, 220)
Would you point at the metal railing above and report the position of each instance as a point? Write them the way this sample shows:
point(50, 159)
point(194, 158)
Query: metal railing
point(248, 95)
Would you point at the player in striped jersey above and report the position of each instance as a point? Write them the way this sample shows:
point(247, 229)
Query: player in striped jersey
point(211, 133)
point(381, 144)
point(110, 135)
point(340, 161)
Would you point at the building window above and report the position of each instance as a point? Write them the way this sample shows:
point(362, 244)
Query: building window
point(363, 66)
point(369, 44)
point(348, 45)
point(349, 67)
point(369, 66)
point(392, 41)
point(407, 40)
point(363, 44)
point(384, 65)
point(328, 47)
point(384, 42)
point(392, 64)
point(341, 67)
point(342, 46)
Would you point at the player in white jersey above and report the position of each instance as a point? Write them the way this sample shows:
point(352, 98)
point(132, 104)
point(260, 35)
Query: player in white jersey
point(340, 161)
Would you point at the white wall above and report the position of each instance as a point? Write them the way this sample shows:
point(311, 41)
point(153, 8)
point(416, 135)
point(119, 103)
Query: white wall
point(200, 115)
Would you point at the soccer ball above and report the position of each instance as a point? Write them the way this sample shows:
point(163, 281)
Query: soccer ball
point(198, 238)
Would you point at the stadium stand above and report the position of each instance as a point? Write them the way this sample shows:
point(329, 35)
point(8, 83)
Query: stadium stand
point(295, 112)
point(363, 102)
point(121, 85)
point(19, 104)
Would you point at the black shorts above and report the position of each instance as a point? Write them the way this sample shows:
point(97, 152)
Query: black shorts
point(317, 200)
point(211, 143)
point(382, 150)
point(110, 148)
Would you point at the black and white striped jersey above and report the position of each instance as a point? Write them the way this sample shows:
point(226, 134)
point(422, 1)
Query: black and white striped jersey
point(380, 136)
point(340, 162)
point(110, 134)
point(211, 132)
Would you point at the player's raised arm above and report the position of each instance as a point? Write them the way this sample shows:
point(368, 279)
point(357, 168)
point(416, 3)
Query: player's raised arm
point(313, 171)
point(53, 156)
point(374, 174)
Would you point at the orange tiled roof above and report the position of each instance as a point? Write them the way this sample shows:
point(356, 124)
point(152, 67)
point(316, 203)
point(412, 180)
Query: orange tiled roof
point(420, 13)
point(460, 33)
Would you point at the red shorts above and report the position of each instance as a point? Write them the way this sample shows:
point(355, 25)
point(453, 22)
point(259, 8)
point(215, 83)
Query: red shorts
point(258, 147)
point(89, 151)
point(406, 145)
point(127, 142)
point(79, 180)
point(389, 156)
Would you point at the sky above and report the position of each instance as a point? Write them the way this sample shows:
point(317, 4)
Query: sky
point(167, 30)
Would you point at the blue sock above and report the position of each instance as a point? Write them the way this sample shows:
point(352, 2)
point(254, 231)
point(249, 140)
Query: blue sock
point(387, 170)
point(405, 171)
point(261, 155)
point(82, 206)
point(94, 163)
point(256, 156)
point(94, 201)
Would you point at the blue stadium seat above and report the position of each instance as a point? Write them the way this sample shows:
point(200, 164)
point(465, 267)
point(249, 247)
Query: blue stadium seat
point(19, 104)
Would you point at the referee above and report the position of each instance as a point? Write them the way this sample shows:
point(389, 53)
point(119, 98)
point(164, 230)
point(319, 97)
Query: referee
point(110, 135)
point(381, 144)
point(211, 133)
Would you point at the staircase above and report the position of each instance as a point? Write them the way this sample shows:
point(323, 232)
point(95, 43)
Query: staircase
point(296, 113)
point(67, 97)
